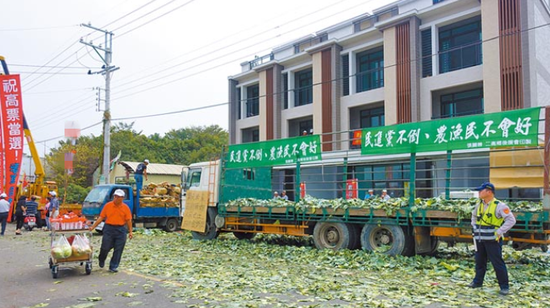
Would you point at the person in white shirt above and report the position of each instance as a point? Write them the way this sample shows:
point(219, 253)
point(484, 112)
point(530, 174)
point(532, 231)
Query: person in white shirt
point(385, 195)
point(4, 210)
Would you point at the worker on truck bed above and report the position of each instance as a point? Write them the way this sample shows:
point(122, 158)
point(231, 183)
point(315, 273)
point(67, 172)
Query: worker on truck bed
point(141, 171)
point(491, 218)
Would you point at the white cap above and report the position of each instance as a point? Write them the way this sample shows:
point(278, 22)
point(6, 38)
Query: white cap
point(384, 190)
point(275, 193)
point(53, 193)
point(120, 193)
point(371, 190)
point(146, 161)
point(3, 195)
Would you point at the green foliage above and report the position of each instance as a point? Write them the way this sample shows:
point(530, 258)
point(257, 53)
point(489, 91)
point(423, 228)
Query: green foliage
point(75, 193)
point(180, 147)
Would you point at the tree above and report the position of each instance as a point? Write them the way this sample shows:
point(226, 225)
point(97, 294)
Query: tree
point(181, 147)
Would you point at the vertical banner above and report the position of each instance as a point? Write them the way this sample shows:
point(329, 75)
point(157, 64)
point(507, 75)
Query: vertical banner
point(351, 189)
point(12, 131)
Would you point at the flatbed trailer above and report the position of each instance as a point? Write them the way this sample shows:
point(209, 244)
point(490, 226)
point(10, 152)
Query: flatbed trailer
point(406, 230)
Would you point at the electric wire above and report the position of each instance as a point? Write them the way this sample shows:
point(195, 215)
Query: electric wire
point(149, 74)
point(148, 22)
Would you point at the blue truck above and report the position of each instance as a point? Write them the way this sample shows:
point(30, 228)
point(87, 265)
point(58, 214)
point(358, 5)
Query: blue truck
point(156, 212)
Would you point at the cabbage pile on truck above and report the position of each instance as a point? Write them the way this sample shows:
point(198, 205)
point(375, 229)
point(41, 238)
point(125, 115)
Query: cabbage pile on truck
point(160, 195)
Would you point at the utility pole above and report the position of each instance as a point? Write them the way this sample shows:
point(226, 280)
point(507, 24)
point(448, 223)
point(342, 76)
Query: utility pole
point(106, 70)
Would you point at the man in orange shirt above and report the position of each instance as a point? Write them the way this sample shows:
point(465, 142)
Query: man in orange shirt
point(118, 222)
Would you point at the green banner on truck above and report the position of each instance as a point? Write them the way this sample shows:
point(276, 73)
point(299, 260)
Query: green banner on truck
point(274, 152)
point(490, 130)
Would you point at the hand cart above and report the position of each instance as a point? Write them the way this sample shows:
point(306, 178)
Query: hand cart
point(85, 259)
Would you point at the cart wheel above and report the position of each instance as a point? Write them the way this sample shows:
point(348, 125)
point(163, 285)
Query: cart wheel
point(51, 262)
point(54, 271)
point(88, 268)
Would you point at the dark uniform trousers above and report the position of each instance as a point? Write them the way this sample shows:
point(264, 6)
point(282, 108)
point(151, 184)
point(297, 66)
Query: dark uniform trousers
point(113, 237)
point(491, 250)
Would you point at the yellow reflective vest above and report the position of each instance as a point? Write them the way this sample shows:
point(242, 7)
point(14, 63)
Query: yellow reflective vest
point(487, 222)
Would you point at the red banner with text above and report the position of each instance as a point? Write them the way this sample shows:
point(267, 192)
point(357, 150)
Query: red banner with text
point(12, 132)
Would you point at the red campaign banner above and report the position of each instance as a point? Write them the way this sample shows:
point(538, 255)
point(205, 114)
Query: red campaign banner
point(12, 132)
point(351, 189)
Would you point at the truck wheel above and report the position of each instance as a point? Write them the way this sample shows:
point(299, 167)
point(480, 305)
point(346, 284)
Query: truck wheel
point(386, 239)
point(244, 236)
point(171, 225)
point(332, 235)
point(211, 231)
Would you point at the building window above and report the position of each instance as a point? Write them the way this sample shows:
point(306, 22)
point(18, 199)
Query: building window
point(372, 117)
point(250, 135)
point(460, 45)
point(306, 127)
point(285, 91)
point(437, 1)
point(252, 101)
point(370, 69)
point(462, 103)
point(345, 75)
point(426, 53)
point(303, 88)
point(239, 104)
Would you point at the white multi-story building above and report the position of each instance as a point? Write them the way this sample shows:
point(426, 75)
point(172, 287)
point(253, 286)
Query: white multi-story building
point(412, 60)
point(409, 61)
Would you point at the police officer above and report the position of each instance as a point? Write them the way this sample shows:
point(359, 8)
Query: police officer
point(491, 218)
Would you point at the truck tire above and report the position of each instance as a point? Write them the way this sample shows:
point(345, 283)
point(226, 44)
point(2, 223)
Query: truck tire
point(243, 235)
point(171, 225)
point(332, 235)
point(211, 231)
point(386, 239)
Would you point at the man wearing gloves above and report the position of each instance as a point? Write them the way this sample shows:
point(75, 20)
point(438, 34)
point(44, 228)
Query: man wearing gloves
point(491, 218)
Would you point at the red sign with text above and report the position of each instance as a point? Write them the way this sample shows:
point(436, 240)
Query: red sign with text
point(351, 189)
point(12, 132)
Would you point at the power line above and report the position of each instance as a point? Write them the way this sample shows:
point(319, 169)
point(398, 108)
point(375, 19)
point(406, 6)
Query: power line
point(171, 112)
point(35, 29)
point(171, 11)
point(227, 46)
point(62, 136)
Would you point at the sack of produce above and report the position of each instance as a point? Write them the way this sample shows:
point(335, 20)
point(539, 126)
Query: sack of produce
point(61, 248)
point(80, 247)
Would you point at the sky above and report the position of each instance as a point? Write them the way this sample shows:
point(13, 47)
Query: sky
point(173, 56)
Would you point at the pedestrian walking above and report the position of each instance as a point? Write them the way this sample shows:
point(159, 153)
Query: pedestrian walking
point(4, 211)
point(20, 209)
point(118, 223)
point(141, 171)
point(54, 204)
point(491, 218)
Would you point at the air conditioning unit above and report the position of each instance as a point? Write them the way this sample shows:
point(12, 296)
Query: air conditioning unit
point(463, 194)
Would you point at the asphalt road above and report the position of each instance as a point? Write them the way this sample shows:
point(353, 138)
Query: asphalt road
point(26, 279)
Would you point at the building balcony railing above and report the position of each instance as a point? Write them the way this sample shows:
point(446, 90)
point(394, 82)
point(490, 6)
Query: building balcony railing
point(460, 57)
point(260, 60)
